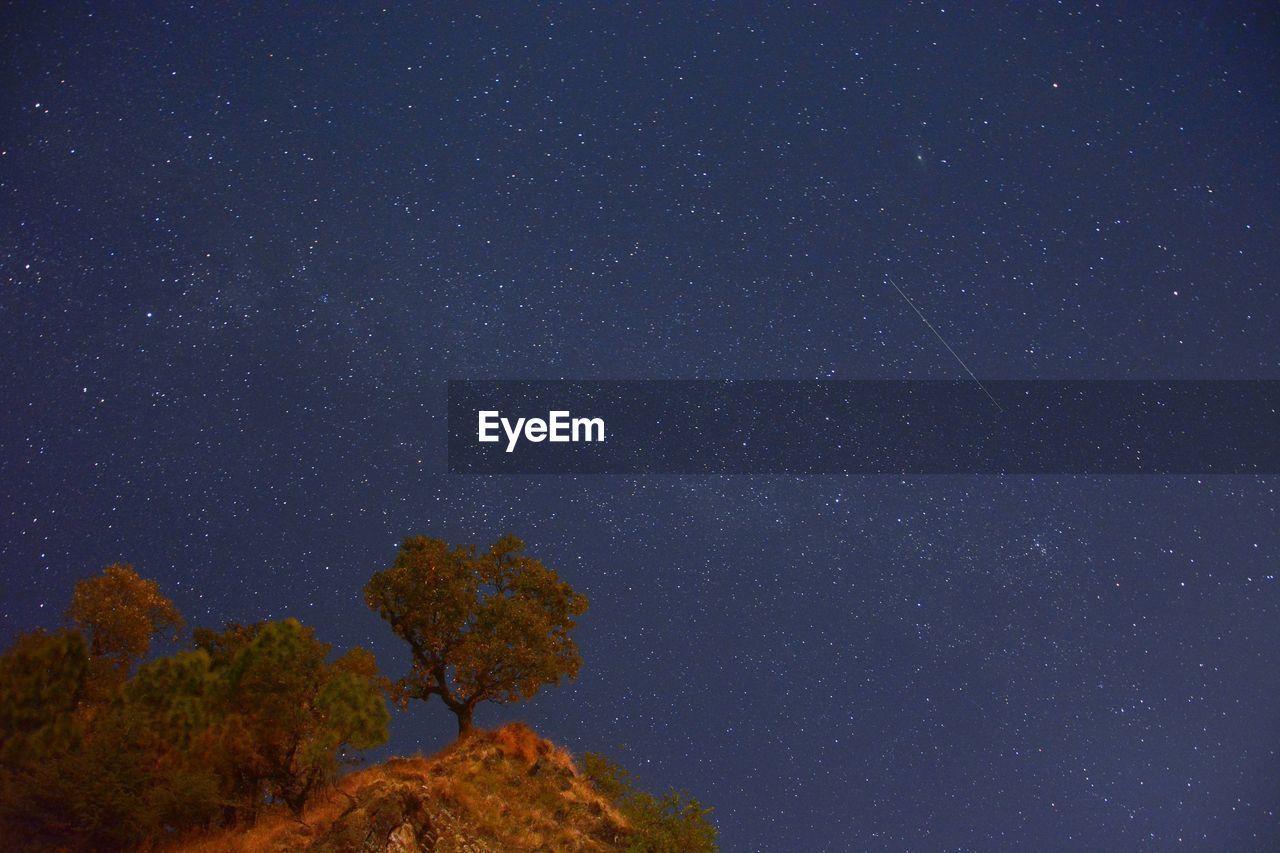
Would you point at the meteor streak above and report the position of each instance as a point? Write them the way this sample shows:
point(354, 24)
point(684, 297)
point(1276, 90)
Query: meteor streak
point(944, 343)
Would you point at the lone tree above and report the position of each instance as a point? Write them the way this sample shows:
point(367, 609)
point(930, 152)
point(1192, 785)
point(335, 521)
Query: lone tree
point(491, 627)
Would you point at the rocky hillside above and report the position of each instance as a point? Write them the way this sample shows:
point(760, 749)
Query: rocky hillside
point(494, 791)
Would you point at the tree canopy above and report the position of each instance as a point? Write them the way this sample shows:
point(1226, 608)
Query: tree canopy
point(119, 613)
point(42, 680)
point(286, 715)
point(94, 757)
point(492, 626)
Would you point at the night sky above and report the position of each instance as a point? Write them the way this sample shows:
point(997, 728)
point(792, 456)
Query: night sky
point(241, 253)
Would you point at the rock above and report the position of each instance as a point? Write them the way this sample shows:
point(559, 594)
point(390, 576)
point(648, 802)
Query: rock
point(404, 839)
point(387, 817)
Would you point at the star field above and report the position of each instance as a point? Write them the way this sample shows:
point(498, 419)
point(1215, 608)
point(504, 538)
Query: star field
point(243, 249)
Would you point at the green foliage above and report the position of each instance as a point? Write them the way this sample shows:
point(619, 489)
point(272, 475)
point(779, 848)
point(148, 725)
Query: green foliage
point(483, 627)
point(48, 792)
point(672, 823)
point(42, 679)
point(95, 759)
point(288, 715)
point(170, 696)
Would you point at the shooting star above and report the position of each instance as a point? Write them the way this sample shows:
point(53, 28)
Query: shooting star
point(954, 355)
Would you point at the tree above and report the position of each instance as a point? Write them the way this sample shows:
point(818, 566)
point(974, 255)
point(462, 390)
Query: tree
point(491, 627)
point(42, 679)
point(119, 613)
point(71, 772)
point(93, 757)
point(285, 716)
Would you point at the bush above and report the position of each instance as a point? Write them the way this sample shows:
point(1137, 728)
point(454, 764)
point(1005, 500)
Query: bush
point(672, 823)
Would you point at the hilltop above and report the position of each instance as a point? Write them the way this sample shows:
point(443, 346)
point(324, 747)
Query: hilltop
point(492, 791)
point(235, 743)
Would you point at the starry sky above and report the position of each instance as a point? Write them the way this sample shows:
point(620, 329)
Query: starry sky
point(243, 250)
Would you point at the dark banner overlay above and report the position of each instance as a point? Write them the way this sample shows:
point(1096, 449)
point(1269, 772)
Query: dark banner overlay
point(864, 427)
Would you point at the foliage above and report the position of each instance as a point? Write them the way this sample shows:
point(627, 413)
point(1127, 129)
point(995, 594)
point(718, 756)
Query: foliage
point(492, 626)
point(254, 714)
point(119, 613)
point(286, 715)
point(101, 750)
point(672, 823)
point(41, 681)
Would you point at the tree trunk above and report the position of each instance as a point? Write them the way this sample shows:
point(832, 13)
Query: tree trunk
point(464, 719)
